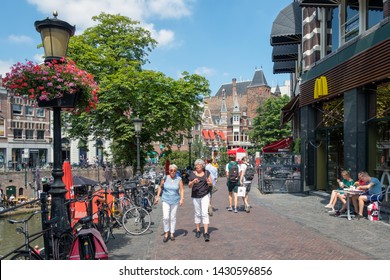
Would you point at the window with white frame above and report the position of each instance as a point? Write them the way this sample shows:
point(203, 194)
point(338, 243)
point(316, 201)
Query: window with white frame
point(29, 134)
point(2, 128)
point(17, 109)
point(29, 111)
point(236, 136)
point(40, 135)
point(40, 112)
point(18, 133)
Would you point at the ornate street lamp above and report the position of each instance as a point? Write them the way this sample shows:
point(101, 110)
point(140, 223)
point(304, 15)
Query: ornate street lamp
point(55, 35)
point(189, 138)
point(137, 127)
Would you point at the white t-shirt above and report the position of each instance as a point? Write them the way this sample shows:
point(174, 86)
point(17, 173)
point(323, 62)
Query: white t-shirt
point(243, 168)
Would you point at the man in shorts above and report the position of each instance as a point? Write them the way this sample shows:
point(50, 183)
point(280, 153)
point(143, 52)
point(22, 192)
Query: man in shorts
point(232, 186)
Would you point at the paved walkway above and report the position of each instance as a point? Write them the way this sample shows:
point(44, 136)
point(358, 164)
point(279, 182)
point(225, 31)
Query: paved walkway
point(279, 227)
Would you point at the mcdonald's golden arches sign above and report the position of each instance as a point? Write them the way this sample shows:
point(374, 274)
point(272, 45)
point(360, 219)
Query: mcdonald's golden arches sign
point(320, 87)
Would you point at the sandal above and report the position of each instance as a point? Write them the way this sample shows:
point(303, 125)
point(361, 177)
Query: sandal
point(172, 237)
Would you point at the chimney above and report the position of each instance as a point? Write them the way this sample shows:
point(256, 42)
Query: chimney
point(234, 86)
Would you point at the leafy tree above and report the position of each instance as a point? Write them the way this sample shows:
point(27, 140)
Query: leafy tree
point(266, 125)
point(114, 51)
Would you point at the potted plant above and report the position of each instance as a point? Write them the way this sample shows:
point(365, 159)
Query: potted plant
point(54, 84)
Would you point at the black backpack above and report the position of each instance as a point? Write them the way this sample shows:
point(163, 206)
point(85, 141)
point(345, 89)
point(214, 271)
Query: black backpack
point(250, 172)
point(233, 172)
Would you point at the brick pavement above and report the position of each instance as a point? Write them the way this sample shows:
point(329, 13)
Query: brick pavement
point(279, 227)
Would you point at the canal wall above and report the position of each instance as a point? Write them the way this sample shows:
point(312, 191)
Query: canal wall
point(22, 183)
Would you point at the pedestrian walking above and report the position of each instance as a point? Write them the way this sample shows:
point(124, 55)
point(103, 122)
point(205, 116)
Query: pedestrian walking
point(233, 174)
point(200, 182)
point(247, 174)
point(172, 190)
point(214, 176)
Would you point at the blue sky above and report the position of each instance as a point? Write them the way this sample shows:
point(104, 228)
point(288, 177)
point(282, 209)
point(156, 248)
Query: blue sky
point(219, 39)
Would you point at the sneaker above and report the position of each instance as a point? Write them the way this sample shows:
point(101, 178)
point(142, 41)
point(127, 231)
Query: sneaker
point(197, 234)
point(206, 237)
point(235, 210)
point(332, 212)
point(328, 206)
point(247, 209)
point(230, 208)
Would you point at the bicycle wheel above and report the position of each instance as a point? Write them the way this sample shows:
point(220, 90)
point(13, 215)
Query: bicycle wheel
point(63, 245)
point(125, 204)
point(24, 256)
point(136, 220)
point(104, 225)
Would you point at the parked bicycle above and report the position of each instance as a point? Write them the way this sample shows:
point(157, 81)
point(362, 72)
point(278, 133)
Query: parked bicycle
point(26, 251)
point(88, 243)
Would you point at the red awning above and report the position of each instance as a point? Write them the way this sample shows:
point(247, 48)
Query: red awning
point(211, 133)
point(281, 145)
point(235, 151)
point(222, 135)
point(205, 134)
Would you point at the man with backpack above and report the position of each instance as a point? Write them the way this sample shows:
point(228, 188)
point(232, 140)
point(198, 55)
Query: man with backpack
point(233, 175)
point(247, 174)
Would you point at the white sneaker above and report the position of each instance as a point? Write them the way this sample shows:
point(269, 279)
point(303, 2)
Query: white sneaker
point(332, 211)
point(328, 206)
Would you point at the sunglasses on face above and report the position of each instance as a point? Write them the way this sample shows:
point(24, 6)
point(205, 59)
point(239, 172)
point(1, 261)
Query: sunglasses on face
point(172, 170)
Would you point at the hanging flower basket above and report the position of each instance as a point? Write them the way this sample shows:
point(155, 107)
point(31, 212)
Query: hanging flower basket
point(67, 100)
point(55, 84)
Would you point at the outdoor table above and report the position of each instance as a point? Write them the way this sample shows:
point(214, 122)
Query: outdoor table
point(348, 193)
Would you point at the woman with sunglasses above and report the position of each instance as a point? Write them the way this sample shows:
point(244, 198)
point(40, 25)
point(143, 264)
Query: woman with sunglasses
point(172, 196)
point(200, 182)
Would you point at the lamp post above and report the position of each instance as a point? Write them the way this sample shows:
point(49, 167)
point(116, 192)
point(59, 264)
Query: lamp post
point(189, 138)
point(55, 36)
point(137, 127)
point(99, 146)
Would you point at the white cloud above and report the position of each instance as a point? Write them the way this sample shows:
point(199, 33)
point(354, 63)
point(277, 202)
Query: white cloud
point(205, 71)
point(20, 39)
point(80, 12)
point(169, 8)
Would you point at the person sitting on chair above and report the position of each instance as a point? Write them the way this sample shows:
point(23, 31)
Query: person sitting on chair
point(372, 190)
point(345, 182)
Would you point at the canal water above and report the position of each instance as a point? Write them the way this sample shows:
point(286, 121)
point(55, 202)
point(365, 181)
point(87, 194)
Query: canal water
point(10, 239)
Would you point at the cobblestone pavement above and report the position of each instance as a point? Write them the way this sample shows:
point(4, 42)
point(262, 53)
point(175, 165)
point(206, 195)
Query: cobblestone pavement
point(279, 227)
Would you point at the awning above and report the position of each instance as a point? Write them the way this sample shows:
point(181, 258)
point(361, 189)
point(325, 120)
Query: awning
point(235, 151)
point(282, 145)
point(288, 110)
point(211, 134)
point(281, 67)
point(287, 27)
point(285, 53)
point(205, 134)
point(222, 135)
point(319, 3)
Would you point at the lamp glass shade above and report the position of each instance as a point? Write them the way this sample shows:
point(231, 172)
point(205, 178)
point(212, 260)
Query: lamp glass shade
point(137, 124)
point(189, 139)
point(55, 42)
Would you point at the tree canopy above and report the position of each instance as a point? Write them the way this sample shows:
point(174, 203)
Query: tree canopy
point(114, 51)
point(266, 124)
